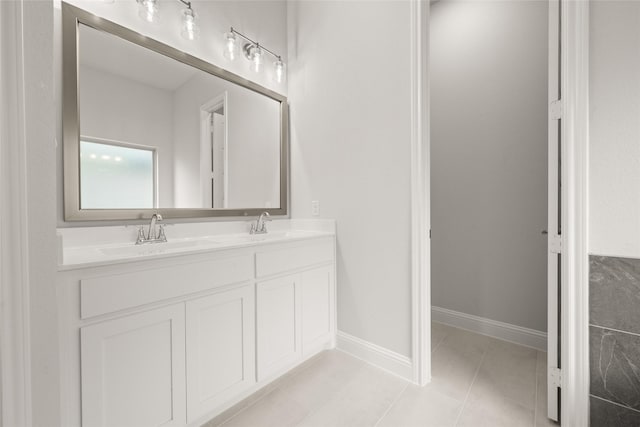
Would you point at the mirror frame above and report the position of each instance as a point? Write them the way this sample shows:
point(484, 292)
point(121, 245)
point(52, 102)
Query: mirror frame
point(72, 17)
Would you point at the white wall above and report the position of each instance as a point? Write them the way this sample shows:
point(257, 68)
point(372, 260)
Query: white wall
point(253, 143)
point(122, 99)
point(489, 159)
point(614, 157)
point(349, 92)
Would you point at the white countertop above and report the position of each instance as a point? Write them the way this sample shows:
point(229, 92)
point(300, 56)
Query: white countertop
point(97, 246)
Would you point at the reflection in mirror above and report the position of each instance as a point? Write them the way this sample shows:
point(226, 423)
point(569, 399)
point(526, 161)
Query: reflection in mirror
point(158, 133)
point(150, 129)
point(117, 175)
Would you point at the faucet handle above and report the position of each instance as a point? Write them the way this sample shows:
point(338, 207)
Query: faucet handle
point(161, 236)
point(141, 237)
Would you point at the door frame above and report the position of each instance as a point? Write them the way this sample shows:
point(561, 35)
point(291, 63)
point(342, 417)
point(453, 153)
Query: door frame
point(206, 109)
point(15, 337)
point(574, 326)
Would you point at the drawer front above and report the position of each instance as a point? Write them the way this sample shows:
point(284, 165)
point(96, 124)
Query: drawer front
point(107, 294)
point(279, 260)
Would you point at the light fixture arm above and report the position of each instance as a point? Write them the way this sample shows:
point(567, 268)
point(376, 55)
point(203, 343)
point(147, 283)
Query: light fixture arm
point(254, 43)
point(186, 3)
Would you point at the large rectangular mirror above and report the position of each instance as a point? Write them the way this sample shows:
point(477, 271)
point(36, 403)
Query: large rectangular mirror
point(148, 128)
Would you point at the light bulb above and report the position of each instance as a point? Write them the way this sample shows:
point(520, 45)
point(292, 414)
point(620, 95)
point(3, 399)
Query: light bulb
point(148, 10)
point(279, 70)
point(230, 46)
point(190, 30)
point(255, 56)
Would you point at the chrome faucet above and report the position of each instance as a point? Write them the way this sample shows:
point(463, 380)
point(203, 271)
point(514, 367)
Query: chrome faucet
point(260, 227)
point(152, 236)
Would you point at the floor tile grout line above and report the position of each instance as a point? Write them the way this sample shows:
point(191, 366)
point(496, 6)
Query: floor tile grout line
point(391, 404)
point(247, 407)
point(316, 409)
point(466, 397)
point(275, 387)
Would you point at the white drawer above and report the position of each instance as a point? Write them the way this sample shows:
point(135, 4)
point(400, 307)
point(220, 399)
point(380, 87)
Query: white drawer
point(106, 294)
point(274, 261)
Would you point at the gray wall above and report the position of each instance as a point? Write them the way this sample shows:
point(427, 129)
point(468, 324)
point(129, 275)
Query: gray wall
point(614, 213)
point(489, 159)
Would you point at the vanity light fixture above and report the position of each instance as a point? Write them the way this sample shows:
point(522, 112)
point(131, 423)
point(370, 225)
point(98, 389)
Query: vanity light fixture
point(190, 29)
point(254, 52)
point(148, 10)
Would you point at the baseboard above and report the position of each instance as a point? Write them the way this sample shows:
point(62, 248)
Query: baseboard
point(380, 357)
point(503, 331)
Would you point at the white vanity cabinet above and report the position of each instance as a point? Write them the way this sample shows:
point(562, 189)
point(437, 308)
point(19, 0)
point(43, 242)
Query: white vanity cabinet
point(220, 348)
point(177, 340)
point(278, 326)
point(317, 305)
point(286, 318)
point(133, 370)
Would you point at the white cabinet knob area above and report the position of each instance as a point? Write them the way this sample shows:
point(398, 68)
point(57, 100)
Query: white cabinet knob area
point(176, 341)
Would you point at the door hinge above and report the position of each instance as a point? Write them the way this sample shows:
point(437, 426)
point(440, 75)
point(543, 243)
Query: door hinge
point(555, 244)
point(555, 377)
point(429, 233)
point(555, 109)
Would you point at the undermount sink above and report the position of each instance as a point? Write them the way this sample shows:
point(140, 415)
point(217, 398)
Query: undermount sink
point(244, 238)
point(154, 248)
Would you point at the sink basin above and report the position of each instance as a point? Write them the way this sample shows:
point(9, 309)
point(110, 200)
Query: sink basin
point(245, 238)
point(154, 248)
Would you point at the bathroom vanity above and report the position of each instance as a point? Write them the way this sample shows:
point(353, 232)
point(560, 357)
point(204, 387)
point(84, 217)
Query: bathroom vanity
point(172, 334)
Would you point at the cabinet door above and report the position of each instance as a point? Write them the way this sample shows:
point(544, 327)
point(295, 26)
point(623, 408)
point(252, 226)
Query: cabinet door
point(278, 324)
point(317, 309)
point(133, 370)
point(220, 349)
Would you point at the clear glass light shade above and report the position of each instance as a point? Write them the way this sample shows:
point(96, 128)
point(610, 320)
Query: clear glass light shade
point(230, 46)
point(190, 30)
point(148, 10)
point(279, 69)
point(256, 57)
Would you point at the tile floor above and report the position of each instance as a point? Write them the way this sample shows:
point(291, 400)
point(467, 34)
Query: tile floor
point(476, 381)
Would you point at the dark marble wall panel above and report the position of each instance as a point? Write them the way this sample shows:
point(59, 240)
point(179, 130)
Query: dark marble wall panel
point(615, 366)
point(606, 414)
point(614, 293)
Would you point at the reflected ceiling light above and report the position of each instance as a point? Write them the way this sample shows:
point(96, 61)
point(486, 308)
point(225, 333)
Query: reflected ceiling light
point(254, 52)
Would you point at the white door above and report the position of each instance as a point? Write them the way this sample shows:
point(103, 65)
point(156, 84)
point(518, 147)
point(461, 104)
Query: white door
point(133, 370)
point(218, 160)
point(220, 349)
point(553, 222)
